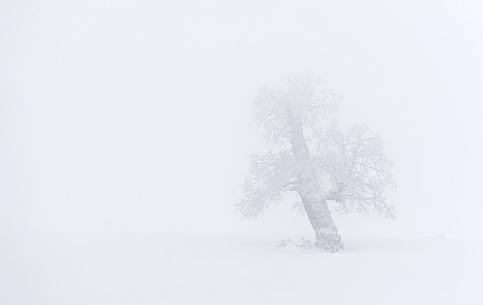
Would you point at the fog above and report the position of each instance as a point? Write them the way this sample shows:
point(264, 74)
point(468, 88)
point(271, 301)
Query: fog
point(126, 130)
point(127, 116)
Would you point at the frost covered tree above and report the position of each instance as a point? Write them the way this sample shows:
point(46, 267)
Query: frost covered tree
point(310, 156)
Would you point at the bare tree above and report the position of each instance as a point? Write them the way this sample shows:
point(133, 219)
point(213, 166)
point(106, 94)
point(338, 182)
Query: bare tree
point(309, 156)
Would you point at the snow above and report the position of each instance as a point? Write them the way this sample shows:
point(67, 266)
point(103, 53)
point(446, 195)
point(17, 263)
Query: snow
point(125, 125)
point(142, 268)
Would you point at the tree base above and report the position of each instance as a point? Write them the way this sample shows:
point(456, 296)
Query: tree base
point(329, 244)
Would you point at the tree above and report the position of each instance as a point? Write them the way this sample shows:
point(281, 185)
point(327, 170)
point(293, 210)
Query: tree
point(309, 155)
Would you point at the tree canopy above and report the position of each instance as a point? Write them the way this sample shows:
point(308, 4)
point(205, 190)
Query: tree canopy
point(352, 168)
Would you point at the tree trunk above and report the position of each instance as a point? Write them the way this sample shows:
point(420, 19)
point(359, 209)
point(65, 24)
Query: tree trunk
point(326, 236)
point(310, 191)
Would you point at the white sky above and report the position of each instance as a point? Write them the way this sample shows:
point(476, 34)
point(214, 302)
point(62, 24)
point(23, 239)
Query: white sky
point(126, 115)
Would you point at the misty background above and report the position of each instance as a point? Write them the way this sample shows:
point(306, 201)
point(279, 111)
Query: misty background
point(135, 116)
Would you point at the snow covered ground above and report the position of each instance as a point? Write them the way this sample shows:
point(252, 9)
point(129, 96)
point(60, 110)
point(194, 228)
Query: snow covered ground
point(237, 269)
